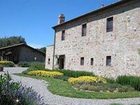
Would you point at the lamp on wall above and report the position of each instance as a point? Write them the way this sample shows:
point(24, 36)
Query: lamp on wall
point(35, 58)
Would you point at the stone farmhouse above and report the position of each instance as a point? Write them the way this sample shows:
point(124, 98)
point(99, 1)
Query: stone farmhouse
point(105, 41)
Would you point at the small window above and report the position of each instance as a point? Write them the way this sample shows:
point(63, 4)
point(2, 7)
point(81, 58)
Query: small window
point(84, 29)
point(92, 61)
point(109, 26)
point(63, 35)
point(82, 61)
point(49, 61)
point(108, 61)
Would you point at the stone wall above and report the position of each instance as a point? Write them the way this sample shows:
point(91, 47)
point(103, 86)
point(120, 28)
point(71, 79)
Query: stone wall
point(122, 44)
point(29, 55)
point(49, 55)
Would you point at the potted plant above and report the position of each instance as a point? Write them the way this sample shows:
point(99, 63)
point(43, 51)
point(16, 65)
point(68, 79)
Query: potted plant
point(1, 68)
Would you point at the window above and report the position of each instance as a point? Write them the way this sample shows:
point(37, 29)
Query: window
point(108, 61)
point(49, 61)
point(82, 61)
point(63, 35)
point(84, 29)
point(92, 61)
point(109, 26)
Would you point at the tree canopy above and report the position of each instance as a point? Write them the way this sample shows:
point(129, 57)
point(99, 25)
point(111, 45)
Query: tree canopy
point(43, 49)
point(8, 41)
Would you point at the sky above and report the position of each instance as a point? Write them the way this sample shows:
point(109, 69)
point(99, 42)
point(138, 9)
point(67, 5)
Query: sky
point(34, 19)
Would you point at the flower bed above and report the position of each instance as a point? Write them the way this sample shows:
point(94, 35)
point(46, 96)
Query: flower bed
point(101, 87)
point(86, 80)
point(43, 73)
point(97, 84)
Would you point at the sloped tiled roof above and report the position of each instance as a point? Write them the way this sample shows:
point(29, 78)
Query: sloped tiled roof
point(21, 44)
point(95, 11)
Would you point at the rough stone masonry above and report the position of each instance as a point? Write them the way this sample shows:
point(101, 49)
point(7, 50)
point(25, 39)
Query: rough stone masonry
point(105, 41)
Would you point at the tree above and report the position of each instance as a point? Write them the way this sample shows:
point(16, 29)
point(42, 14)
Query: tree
point(8, 41)
point(43, 49)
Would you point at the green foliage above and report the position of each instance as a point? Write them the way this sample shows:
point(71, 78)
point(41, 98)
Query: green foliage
point(32, 66)
point(37, 66)
point(7, 41)
point(43, 49)
point(5, 88)
point(116, 104)
point(7, 64)
point(24, 64)
point(110, 80)
point(101, 87)
point(63, 88)
point(13, 93)
point(129, 80)
point(70, 73)
point(64, 78)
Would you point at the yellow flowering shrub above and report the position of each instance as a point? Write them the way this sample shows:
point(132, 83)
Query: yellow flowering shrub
point(86, 79)
point(43, 73)
point(7, 64)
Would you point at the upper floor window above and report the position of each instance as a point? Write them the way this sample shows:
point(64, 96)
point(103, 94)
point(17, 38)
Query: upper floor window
point(84, 29)
point(82, 61)
point(63, 35)
point(109, 24)
point(92, 61)
point(108, 61)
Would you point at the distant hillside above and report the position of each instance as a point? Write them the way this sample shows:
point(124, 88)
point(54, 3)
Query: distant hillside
point(7, 41)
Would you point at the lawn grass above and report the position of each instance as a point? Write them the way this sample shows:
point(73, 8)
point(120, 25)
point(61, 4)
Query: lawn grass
point(63, 88)
point(116, 104)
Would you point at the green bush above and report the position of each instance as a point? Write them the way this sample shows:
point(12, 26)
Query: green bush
point(116, 104)
point(7, 64)
point(34, 66)
point(25, 72)
point(101, 87)
point(24, 64)
point(64, 78)
point(37, 66)
point(133, 81)
point(110, 80)
point(70, 73)
point(13, 93)
point(40, 65)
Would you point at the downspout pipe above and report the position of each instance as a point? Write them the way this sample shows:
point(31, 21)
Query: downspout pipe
point(54, 49)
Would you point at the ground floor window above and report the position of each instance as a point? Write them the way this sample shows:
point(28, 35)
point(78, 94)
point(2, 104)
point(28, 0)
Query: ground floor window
point(48, 60)
point(82, 61)
point(108, 61)
point(91, 61)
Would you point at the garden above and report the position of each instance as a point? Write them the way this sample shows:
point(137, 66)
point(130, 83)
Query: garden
point(81, 84)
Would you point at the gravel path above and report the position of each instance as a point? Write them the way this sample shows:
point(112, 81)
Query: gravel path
point(41, 87)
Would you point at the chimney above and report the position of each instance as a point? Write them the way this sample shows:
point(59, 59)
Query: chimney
point(61, 19)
